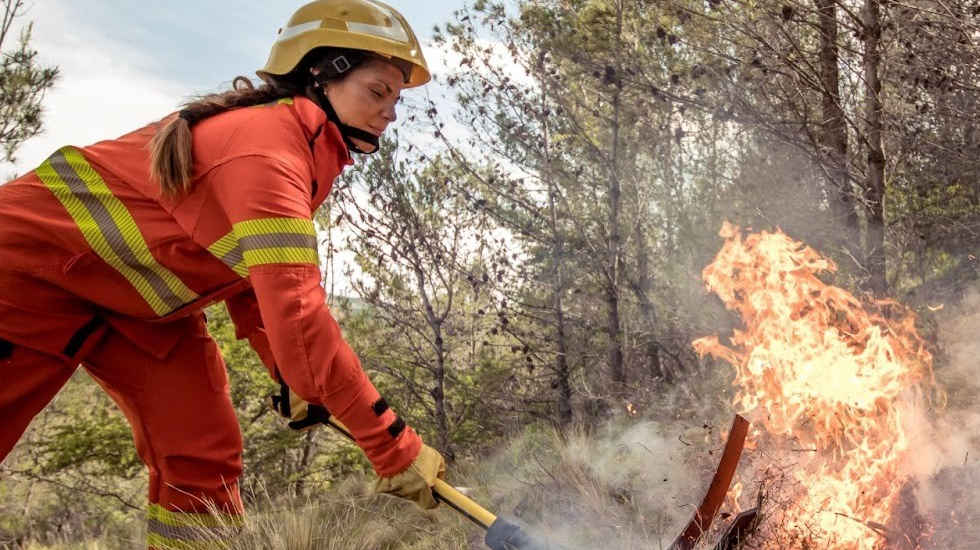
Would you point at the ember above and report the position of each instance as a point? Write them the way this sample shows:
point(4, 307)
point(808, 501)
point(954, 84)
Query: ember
point(837, 377)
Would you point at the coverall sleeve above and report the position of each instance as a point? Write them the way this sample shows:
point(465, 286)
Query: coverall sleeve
point(243, 308)
point(269, 207)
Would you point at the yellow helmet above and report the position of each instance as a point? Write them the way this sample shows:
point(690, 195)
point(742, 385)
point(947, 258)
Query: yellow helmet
point(366, 25)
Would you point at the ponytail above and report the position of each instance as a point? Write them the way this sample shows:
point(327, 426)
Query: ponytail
point(171, 160)
point(171, 149)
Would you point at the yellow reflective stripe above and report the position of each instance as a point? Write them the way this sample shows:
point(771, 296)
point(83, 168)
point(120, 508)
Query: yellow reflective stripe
point(268, 226)
point(110, 229)
point(181, 519)
point(228, 251)
point(281, 256)
point(160, 542)
point(224, 245)
point(277, 241)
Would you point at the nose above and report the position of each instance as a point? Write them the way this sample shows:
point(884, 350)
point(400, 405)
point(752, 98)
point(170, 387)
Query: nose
point(389, 114)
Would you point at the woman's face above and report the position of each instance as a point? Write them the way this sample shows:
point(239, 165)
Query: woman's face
point(366, 97)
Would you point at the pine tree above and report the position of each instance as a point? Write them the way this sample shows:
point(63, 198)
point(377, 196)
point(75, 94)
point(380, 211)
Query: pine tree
point(23, 82)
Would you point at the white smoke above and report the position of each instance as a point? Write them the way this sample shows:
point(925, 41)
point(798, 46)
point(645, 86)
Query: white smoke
point(634, 484)
point(946, 449)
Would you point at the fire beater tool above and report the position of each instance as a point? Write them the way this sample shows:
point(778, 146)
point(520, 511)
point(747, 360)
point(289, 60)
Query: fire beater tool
point(504, 535)
point(501, 534)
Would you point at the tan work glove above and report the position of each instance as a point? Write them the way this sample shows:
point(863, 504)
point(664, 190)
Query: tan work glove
point(415, 483)
point(302, 415)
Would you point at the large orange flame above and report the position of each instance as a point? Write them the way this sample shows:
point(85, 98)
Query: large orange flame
point(815, 365)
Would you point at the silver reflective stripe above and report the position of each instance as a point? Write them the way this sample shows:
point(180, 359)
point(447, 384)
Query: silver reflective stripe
point(395, 32)
point(277, 240)
point(295, 30)
point(233, 258)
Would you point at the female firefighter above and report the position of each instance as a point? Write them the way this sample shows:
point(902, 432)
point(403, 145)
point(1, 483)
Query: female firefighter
point(109, 252)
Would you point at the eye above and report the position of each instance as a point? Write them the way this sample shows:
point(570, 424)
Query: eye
point(377, 93)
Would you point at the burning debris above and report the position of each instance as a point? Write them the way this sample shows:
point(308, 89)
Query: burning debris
point(840, 379)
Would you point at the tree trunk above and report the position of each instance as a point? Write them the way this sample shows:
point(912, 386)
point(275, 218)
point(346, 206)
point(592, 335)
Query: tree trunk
point(834, 131)
point(564, 382)
point(439, 396)
point(438, 390)
point(562, 373)
point(558, 281)
point(874, 191)
point(613, 325)
point(641, 289)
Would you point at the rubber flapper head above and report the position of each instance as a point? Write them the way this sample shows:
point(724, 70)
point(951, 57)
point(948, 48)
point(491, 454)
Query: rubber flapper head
point(504, 535)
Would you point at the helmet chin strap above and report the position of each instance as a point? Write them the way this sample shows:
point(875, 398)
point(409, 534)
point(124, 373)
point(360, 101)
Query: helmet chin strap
point(332, 68)
point(346, 131)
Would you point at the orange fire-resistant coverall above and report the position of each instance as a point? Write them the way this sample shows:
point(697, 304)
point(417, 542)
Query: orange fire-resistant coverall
point(97, 269)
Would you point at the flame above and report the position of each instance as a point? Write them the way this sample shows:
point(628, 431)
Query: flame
point(817, 367)
point(735, 495)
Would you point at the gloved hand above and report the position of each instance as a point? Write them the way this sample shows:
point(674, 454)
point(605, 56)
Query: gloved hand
point(415, 483)
point(302, 415)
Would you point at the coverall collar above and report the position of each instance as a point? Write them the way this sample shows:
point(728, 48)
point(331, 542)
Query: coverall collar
point(330, 153)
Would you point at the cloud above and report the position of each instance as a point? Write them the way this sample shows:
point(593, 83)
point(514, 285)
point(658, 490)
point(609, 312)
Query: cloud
point(103, 90)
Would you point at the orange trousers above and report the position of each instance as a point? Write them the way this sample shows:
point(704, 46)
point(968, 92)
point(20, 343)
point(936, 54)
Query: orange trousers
point(180, 411)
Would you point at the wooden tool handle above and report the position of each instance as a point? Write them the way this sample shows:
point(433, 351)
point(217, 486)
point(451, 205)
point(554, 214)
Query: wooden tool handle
point(444, 491)
point(463, 504)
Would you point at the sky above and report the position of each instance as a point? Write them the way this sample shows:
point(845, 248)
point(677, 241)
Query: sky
point(125, 63)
